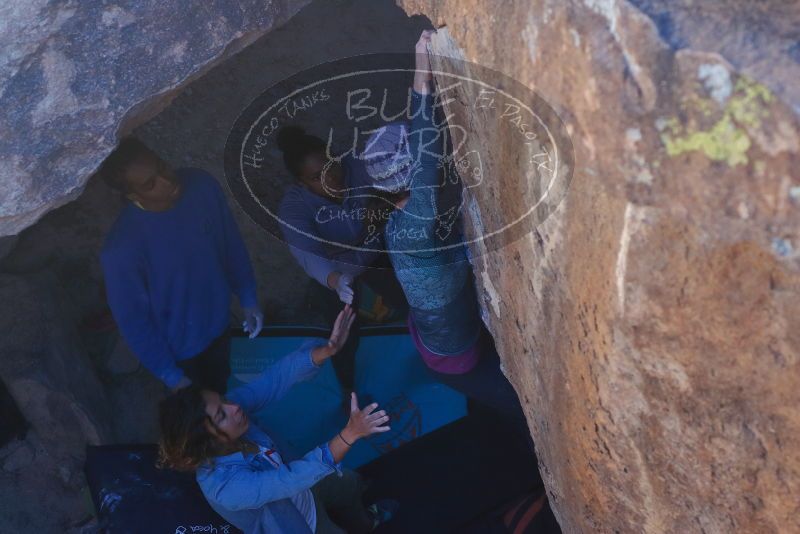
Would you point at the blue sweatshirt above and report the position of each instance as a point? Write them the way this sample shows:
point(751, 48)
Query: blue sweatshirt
point(314, 225)
point(169, 275)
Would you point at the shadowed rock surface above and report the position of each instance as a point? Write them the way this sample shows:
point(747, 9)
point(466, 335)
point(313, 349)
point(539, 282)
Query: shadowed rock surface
point(56, 387)
point(74, 76)
point(53, 306)
point(651, 325)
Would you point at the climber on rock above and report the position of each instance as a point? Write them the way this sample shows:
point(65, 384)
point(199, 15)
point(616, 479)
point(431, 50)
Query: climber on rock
point(243, 475)
point(432, 266)
point(171, 261)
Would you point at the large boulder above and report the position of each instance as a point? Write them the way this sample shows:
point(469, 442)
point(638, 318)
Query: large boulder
point(75, 76)
point(7, 245)
point(53, 382)
point(651, 324)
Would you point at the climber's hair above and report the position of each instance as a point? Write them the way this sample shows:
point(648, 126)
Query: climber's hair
point(296, 146)
point(186, 442)
point(113, 169)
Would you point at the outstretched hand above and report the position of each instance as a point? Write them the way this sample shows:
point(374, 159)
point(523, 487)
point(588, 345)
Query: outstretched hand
point(341, 328)
point(365, 422)
point(339, 334)
point(362, 423)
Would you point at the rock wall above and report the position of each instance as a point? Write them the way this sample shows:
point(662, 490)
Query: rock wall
point(55, 385)
point(651, 325)
point(74, 76)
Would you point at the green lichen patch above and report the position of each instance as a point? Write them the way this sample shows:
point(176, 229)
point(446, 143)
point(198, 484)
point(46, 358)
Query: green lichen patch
point(727, 140)
point(748, 108)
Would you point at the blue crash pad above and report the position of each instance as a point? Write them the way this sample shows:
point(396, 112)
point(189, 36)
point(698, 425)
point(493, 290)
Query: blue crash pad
point(389, 371)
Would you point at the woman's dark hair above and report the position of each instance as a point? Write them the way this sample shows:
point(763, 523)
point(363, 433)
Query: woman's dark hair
point(113, 168)
point(186, 442)
point(296, 145)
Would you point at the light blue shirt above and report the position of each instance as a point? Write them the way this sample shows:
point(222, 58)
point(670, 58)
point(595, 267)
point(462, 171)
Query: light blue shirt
point(253, 492)
point(304, 500)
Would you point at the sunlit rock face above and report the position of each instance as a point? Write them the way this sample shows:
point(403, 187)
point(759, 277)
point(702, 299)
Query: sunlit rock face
point(74, 76)
point(651, 325)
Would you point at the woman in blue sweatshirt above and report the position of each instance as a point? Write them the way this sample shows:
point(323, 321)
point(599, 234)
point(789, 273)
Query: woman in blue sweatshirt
point(171, 261)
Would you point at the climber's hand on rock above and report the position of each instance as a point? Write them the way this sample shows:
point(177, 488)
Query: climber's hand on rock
point(424, 41)
point(422, 77)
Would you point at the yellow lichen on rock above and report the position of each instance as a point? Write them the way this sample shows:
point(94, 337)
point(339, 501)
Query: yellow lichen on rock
point(727, 140)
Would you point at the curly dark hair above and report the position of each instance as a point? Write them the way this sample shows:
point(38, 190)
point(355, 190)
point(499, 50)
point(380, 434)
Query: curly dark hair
point(296, 146)
point(113, 168)
point(186, 442)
